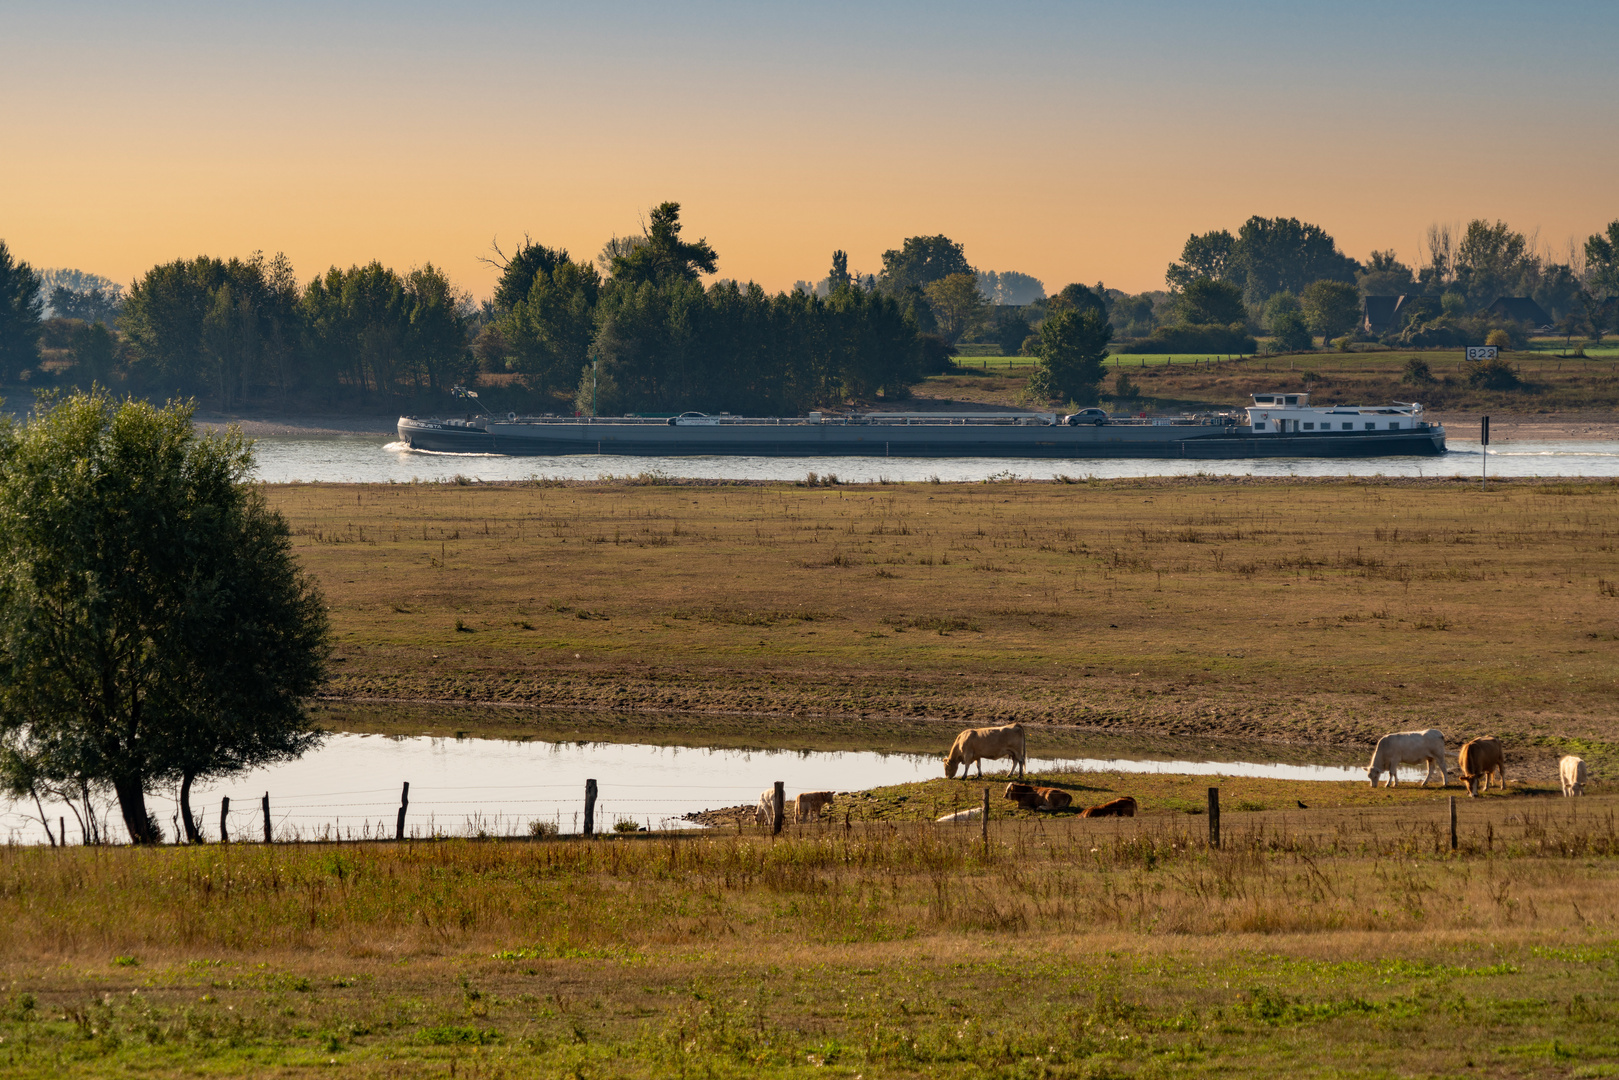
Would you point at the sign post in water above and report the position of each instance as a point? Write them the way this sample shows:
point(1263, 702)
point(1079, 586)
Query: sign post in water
point(1484, 453)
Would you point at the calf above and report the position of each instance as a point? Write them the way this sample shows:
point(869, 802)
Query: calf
point(1121, 807)
point(1477, 759)
point(1572, 771)
point(809, 804)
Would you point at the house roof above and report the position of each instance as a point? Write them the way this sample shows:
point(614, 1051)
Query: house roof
point(1519, 309)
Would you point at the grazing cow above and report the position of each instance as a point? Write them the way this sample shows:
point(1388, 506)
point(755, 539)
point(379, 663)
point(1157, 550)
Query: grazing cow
point(975, 745)
point(1477, 759)
point(1572, 770)
point(765, 812)
point(1408, 748)
point(1056, 798)
point(809, 804)
point(1122, 807)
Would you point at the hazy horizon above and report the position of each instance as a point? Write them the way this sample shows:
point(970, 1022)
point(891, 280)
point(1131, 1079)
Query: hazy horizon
point(1074, 142)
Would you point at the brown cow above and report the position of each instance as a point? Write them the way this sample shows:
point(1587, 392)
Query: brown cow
point(809, 804)
point(1024, 795)
point(1122, 807)
point(975, 744)
point(1478, 758)
point(1056, 798)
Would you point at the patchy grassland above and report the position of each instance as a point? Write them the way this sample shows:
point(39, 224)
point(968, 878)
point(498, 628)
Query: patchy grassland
point(1335, 941)
point(1317, 612)
point(1551, 383)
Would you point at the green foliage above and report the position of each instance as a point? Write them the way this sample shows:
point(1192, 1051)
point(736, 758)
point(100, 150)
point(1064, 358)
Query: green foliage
point(1330, 308)
point(21, 315)
point(1267, 256)
point(1498, 338)
point(1212, 339)
point(153, 624)
point(1602, 260)
point(95, 351)
point(1417, 373)
point(920, 261)
point(664, 258)
point(1073, 344)
point(1008, 328)
point(547, 333)
point(938, 355)
point(1205, 301)
point(1494, 374)
point(1135, 315)
point(1285, 318)
point(1123, 388)
point(958, 307)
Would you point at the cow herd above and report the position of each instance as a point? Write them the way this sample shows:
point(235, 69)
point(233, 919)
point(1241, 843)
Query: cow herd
point(1477, 761)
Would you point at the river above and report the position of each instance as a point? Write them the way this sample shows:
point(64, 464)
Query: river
point(380, 459)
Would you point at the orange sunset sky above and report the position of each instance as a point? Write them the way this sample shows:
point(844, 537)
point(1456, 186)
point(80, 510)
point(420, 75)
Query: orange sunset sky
point(1071, 141)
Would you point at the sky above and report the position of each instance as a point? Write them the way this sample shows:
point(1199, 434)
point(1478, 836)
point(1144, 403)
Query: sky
point(1073, 141)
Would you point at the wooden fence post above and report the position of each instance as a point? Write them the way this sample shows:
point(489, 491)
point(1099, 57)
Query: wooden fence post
point(61, 827)
point(590, 807)
point(404, 801)
point(984, 820)
point(224, 812)
point(1214, 817)
point(1453, 823)
point(268, 839)
point(780, 803)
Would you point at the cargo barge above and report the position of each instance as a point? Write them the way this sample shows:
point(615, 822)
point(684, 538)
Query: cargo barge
point(1276, 425)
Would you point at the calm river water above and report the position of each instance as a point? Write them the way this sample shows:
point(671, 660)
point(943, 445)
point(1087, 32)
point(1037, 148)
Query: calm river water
point(351, 785)
point(381, 459)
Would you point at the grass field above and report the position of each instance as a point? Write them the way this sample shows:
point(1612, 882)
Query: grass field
point(1330, 941)
point(1172, 382)
point(1319, 612)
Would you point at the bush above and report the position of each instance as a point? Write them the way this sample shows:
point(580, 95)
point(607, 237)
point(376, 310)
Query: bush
point(1417, 373)
point(1290, 334)
point(1124, 389)
point(1494, 375)
point(1345, 344)
point(1209, 338)
point(1499, 338)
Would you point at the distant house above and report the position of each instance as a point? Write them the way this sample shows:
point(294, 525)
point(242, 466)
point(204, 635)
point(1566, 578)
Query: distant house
point(1385, 313)
point(1519, 309)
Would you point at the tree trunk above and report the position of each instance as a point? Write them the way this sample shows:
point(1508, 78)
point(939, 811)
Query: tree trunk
point(132, 804)
point(193, 834)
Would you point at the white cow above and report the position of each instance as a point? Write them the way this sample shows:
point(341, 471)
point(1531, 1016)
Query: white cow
point(765, 812)
point(1408, 748)
point(1572, 770)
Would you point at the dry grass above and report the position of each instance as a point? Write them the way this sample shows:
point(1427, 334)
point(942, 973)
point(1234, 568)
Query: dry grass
point(1323, 612)
point(1061, 949)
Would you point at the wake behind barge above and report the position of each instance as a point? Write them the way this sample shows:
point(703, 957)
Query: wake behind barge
point(1275, 426)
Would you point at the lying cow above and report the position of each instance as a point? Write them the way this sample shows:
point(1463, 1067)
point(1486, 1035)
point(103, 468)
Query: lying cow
point(975, 745)
point(1024, 795)
point(1056, 798)
point(1477, 759)
point(1572, 771)
point(1408, 748)
point(809, 804)
point(1121, 807)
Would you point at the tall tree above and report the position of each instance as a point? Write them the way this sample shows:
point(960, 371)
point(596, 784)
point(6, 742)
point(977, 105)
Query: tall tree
point(1330, 308)
point(958, 307)
point(1073, 345)
point(920, 261)
point(1273, 254)
point(1204, 302)
point(839, 277)
point(1206, 256)
point(664, 256)
point(21, 315)
point(1602, 260)
point(153, 622)
point(1494, 260)
point(548, 333)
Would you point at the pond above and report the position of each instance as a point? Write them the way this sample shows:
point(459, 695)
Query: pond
point(350, 787)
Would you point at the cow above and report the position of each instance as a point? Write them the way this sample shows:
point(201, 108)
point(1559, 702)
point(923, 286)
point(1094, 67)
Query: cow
point(1056, 798)
point(974, 745)
point(809, 804)
point(1477, 759)
point(1408, 748)
point(1572, 771)
point(765, 812)
point(1024, 795)
point(1121, 807)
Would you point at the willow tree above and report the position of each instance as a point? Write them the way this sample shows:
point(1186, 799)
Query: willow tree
point(154, 626)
